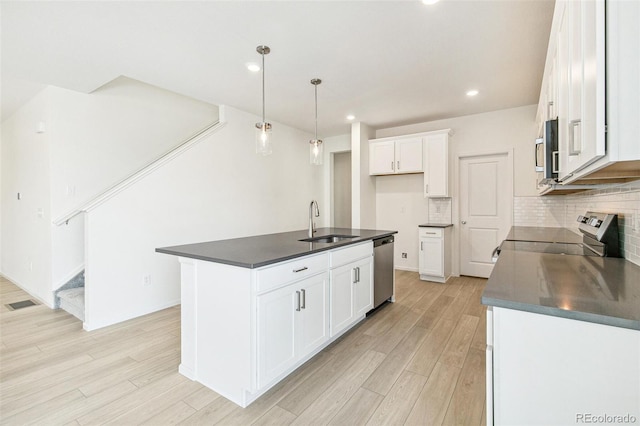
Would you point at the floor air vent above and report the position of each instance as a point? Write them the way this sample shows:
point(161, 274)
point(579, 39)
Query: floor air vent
point(21, 304)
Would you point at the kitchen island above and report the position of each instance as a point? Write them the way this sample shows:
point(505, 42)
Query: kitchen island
point(256, 308)
point(563, 336)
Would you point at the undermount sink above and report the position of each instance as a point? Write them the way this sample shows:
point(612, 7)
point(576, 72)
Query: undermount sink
point(329, 238)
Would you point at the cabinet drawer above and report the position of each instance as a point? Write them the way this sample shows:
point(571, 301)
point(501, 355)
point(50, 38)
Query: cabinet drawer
point(293, 270)
point(431, 232)
point(350, 253)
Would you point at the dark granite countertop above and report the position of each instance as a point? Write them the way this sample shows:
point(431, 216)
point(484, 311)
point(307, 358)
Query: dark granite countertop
point(435, 225)
point(262, 250)
point(603, 290)
point(541, 234)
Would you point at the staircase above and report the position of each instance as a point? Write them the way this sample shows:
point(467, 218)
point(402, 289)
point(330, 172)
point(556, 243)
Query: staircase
point(70, 297)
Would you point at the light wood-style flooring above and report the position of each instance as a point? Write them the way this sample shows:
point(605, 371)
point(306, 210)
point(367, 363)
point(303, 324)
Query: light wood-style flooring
point(419, 361)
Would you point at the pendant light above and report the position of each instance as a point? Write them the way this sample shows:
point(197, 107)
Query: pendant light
point(263, 129)
point(315, 145)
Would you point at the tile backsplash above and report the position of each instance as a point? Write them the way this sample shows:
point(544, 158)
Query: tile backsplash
point(562, 211)
point(439, 210)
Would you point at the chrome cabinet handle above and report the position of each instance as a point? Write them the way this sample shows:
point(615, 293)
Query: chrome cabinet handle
point(464, 222)
point(573, 149)
point(358, 274)
point(355, 276)
point(304, 299)
point(398, 165)
point(304, 268)
point(298, 296)
point(430, 233)
point(421, 248)
point(392, 166)
point(426, 189)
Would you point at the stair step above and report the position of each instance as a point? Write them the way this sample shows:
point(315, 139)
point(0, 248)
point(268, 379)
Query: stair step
point(72, 301)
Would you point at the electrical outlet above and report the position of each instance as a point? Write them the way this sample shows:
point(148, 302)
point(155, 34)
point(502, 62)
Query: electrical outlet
point(146, 280)
point(404, 255)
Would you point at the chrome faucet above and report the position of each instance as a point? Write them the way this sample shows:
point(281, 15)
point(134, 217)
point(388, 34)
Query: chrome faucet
point(312, 226)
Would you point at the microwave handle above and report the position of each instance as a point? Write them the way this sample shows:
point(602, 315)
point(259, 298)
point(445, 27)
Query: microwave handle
point(539, 144)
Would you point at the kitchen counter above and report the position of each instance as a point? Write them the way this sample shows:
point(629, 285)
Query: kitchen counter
point(550, 235)
point(603, 290)
point(261, 250)
point(435, 225)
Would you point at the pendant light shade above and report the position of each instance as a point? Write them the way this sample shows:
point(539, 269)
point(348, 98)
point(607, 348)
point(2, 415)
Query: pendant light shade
point(315, 144)
point(263, 129)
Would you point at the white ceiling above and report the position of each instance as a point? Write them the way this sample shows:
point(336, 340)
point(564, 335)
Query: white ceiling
point(387, 62)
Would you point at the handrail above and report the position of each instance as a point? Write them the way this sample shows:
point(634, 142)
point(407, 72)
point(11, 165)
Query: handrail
point(136, 176)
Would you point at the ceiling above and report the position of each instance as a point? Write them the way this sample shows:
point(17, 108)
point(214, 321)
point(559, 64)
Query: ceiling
point(386, 62)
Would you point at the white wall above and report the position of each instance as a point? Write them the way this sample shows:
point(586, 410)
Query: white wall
point(510, 129)
point(218, 189)
point(363, 186)
point(26, 236)
point(102, 137)
point(89, 143)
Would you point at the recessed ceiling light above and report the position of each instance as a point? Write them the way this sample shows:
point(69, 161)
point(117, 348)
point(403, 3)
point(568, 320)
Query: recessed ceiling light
point(253, 67)
point(472, 92)
point(351, 117)
point(430, 2)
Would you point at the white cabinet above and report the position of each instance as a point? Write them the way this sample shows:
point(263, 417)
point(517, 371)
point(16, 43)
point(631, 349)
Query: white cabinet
point(434, 253)
point(436, 164)
point(582, 124)
point(395, 156)
point(243, 330)
point(543, 369)
point(351, 288)
point(292, 322)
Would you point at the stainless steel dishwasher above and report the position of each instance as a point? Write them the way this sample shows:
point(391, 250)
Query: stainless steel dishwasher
point(382, 270)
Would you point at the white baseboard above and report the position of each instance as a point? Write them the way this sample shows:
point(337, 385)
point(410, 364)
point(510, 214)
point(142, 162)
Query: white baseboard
point(90, 326)
point(39, 298)
point(406, 268)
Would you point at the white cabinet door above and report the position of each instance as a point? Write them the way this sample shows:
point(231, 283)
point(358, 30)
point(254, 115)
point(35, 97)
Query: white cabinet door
point(382, 158)
point(276, 332)
point(342, 288)
point(431, 261)
point(409, 155)
point(436, 163)
point(581, 86)
point(292, 322)
point(314, 313)
point(363, 287)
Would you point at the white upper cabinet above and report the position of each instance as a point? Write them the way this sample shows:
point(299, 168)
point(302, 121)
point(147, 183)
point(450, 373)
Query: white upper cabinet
point(395, 156)
point(597, 128)
point(436, 161)
point(584, 128)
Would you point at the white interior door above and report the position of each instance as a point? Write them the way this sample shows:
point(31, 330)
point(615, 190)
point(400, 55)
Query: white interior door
point(486, 199)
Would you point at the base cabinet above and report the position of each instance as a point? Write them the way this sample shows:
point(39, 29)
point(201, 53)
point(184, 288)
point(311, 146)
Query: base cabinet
point(351, 293)
point(292, 322)
point(244, 330)
point(558, 371)
point(434, 258)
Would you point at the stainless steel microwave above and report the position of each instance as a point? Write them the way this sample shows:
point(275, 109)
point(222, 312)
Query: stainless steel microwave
point(547, 154)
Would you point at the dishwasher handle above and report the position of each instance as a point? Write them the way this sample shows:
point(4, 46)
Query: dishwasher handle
point(382, 241)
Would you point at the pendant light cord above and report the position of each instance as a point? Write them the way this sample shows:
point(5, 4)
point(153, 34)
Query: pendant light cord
point(316, 98)
point(263, 116)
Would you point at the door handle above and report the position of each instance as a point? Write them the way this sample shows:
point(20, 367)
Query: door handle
point(298, 296)
point(421, 242)
point(304, 299)
point(392, 169)
point(358, 274)
point(398, 165)
point(464, 222)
